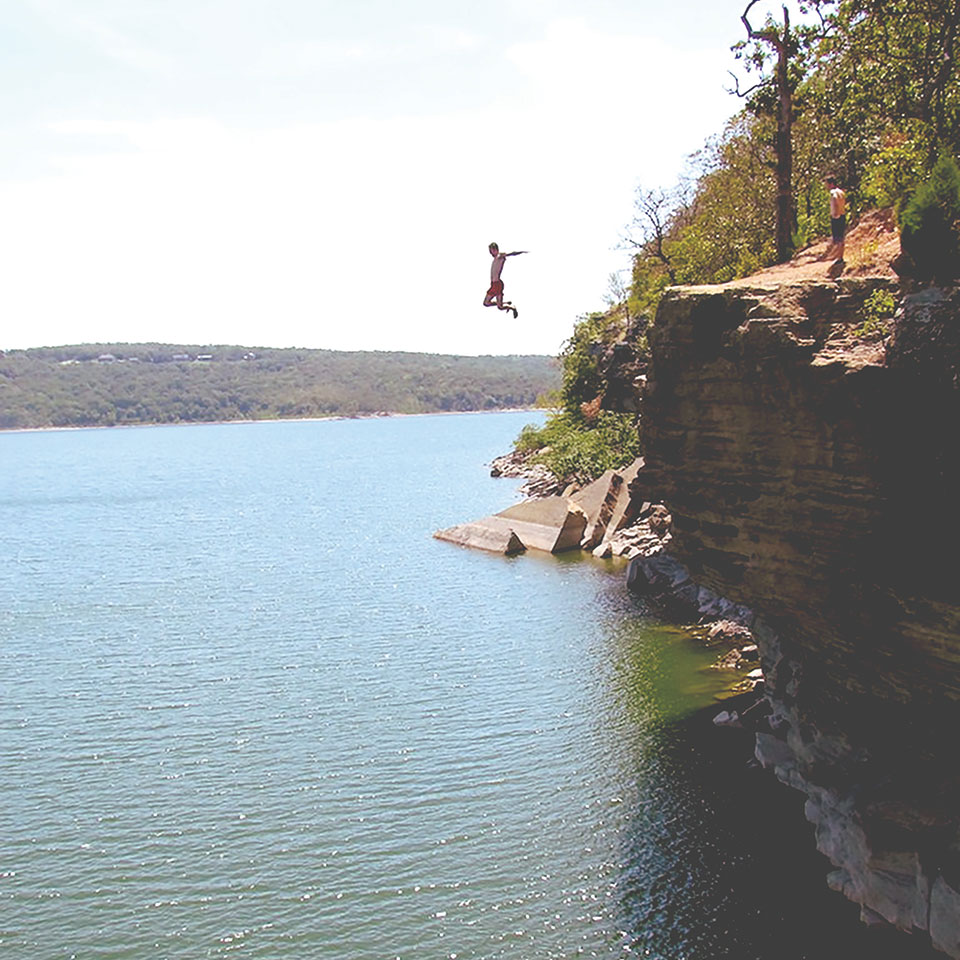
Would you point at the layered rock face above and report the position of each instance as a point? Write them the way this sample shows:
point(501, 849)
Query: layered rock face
point(815, 477)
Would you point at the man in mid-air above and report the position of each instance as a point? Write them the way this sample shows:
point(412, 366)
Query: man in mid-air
point(495, 293)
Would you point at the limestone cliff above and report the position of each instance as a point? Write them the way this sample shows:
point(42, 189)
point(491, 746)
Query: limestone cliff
point(815, 476)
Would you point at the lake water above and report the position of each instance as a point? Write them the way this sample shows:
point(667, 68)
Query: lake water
point(249, 707)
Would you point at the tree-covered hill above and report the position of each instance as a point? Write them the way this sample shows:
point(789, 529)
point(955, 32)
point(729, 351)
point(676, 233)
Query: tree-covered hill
point(120, 383)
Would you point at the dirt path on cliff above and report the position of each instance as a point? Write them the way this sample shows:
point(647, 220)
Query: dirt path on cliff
point(871, 244)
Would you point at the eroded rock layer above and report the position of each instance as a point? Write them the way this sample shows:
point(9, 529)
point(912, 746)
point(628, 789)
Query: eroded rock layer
point(814, 475)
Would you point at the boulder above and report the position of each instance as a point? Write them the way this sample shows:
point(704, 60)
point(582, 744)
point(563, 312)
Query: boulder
point(727, 718)
point(727, 630)
point(945, 917)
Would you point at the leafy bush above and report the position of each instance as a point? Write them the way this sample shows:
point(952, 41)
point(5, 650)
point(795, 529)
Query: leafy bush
point(580, 358)
point(929, 231)
point(813, 216)
point(877, 309)
point(571, 449)
point(895, 170)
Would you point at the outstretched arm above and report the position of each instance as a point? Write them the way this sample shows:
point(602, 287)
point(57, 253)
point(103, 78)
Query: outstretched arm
point(515, 253)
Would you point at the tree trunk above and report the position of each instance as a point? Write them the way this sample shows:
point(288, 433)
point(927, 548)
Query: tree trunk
point(784, 148)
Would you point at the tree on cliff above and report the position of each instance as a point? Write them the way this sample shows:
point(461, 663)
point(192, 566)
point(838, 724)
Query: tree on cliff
point(929, 224)
point(774, 95)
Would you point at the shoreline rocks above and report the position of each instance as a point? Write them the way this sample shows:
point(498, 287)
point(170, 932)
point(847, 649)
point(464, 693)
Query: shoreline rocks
point(538, 480)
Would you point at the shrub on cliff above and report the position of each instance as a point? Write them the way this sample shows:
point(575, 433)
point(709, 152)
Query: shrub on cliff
point(580, 358)
point(930, 223)
point(573, 450)
point(573, 444)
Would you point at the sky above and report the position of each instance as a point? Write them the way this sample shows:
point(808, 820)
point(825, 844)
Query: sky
point(329, 173)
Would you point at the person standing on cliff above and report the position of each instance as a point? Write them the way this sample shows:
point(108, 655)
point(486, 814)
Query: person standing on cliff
point(494, 295)
point(838, 220)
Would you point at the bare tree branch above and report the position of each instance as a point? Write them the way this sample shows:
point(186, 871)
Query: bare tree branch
point(655, 211)
point(771, 36)
point(743, 93)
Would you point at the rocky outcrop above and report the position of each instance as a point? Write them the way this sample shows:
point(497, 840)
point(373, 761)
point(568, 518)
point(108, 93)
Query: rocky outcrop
point(624, 368)
point(813, 477)
point(582, 517)
point(538, 481)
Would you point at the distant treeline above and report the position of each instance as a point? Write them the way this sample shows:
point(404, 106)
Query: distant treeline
point(122, 383)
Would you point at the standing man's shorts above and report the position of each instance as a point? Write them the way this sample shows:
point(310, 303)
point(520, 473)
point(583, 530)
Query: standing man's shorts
point(838, 227)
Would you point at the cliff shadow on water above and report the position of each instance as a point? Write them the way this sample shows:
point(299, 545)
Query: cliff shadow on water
point(720, 863)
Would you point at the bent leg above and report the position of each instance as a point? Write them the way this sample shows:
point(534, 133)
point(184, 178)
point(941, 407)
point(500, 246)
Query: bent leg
point(494, 294)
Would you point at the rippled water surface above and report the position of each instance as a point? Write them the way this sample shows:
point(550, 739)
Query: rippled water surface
point(249, 707)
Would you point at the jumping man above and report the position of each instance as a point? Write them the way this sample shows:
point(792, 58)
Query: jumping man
point(495, 293)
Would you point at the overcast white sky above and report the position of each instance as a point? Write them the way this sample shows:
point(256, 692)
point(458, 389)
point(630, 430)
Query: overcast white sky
point(328, 173)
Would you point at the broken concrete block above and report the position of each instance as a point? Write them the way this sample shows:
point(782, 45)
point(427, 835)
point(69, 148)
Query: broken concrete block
point(599, 500)
point(553, 524)
point(626, 510)
point(490, 533)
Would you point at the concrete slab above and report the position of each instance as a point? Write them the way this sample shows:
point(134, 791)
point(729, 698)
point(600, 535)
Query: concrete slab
point(490, 533)
point(625, 511)
point(598, 500)
point(547, 511)
point(552, 524)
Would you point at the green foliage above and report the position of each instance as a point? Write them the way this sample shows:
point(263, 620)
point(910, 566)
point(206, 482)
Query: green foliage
point(549, 400)
point(572, 449)
point(717, 229)
point(571, 445)
point(877, 309)
point(894, 171)
point(887, 65)
point(813, 215)
point(580, 358)
point(531, 439)
point(68, 386)
point(930, 223)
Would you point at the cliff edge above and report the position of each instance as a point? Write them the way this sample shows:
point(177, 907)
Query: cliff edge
point(812, 474)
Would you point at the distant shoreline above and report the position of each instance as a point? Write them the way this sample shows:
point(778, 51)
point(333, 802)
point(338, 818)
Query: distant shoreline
point(211, 423)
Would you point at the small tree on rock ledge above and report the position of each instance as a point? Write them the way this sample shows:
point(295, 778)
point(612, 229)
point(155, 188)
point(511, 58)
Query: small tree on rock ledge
point(774, 94)
point(930, 224)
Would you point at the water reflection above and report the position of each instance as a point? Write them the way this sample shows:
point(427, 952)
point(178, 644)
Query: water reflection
point(717, 859)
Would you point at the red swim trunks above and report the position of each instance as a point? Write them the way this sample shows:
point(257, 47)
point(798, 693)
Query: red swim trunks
point(496, 288)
